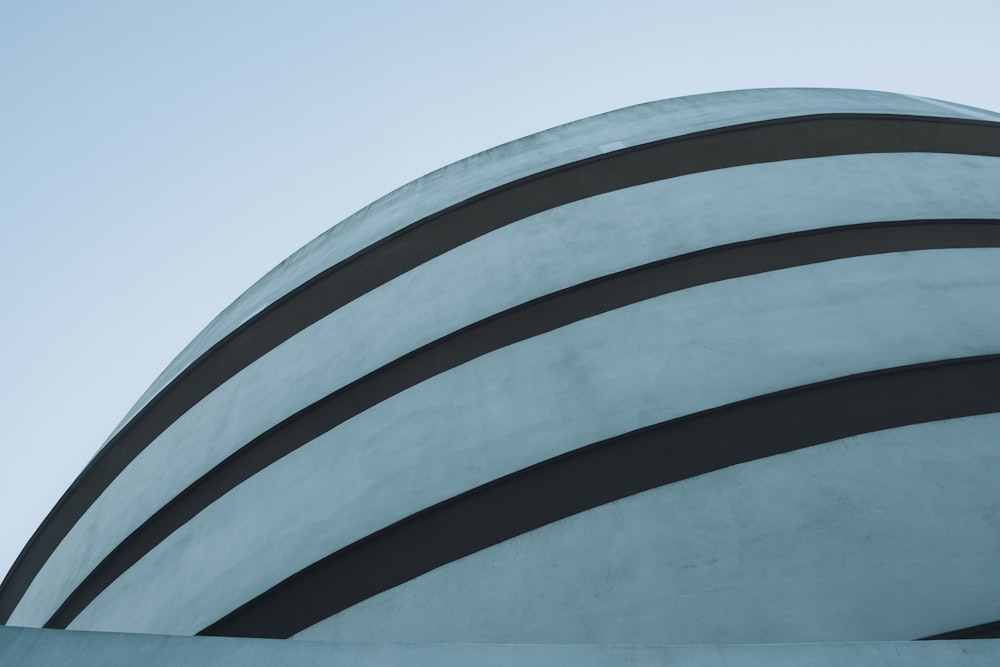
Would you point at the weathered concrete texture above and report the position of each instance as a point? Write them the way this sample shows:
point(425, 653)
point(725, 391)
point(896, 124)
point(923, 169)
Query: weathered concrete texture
point(548, 395)
point(28, 647)
point(532, 257)
point(529, 155)
point(506, 334)
point(883, 536)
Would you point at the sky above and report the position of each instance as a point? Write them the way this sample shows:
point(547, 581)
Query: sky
point(157, 158)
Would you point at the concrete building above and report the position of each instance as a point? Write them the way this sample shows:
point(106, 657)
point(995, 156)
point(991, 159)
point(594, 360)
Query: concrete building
point(713, 370)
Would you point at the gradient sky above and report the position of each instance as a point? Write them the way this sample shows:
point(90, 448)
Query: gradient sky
point(156, 158)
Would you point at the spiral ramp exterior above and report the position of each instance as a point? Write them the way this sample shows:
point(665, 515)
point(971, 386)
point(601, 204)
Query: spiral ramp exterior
point(722, 369)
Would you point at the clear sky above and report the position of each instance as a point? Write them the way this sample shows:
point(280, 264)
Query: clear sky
point(156, 158)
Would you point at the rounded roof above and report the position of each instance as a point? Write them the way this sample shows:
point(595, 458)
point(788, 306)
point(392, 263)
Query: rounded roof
point(450, 361)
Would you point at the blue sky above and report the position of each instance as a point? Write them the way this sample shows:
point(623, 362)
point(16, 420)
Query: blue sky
point(157, 158)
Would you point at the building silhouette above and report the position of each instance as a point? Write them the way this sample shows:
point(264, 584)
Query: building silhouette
point(722, 369)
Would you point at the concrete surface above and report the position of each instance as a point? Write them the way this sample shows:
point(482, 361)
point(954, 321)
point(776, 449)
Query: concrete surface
point(26, 647)
point(527, 259)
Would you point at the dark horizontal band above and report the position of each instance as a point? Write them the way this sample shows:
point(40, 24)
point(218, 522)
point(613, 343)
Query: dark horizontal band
point(516, 324)
point(752, 143)
point(615, 469)
point(982, 631)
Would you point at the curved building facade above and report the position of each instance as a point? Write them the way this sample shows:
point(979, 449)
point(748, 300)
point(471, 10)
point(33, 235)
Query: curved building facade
point(715, 369)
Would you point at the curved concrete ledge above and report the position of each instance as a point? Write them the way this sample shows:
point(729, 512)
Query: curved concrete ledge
point(511, 315)
point(500, 270)
point(842, 189)
point(896, 521)
point(578, 140)
point(667, 454)
point(28, 647)
point(520, 323)
point(667, 356)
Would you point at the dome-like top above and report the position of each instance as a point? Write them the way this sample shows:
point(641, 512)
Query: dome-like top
point(714, 369)
point(535, 154)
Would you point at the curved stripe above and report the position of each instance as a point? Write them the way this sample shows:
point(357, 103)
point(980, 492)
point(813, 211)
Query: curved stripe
point(394, 255)
point(884, 535)
point(613, 469)
point(516, 324)
point(522, 261)
point(982, 631)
